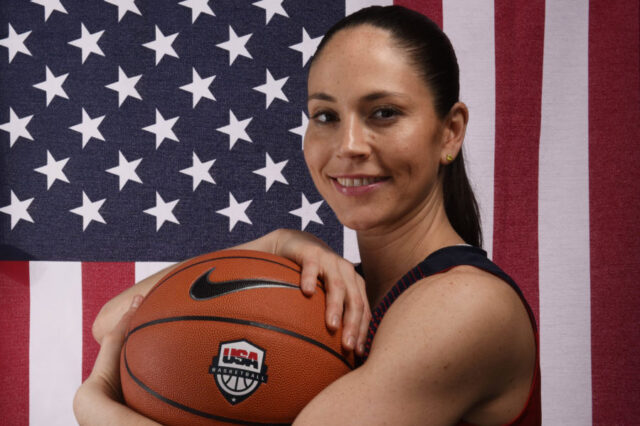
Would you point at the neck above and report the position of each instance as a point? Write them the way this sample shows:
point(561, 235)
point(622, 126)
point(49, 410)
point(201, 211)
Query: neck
point(387, 254)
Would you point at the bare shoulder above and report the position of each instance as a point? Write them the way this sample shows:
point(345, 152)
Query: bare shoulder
point(465, 293)
point(466, 297)
point(468, 336)
point(458, 345)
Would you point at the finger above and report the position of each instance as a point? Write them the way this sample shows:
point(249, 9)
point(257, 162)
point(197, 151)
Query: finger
point(366, 315)
point(309, 277)
point(121, 327)
point(107, 361)
point(335, 301)
point(362, 313)
point(352, 317)
point(363, 333)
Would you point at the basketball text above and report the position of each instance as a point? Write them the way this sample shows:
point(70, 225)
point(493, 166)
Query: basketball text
point(240, 357)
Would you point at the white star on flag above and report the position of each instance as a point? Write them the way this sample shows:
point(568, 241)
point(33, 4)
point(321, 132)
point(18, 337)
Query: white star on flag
point(89, 128)
point(162, 129)
point(17, 210)
point(52, 85)
point(307, 46)
point(125, 170)
point(236, 212)
point(199, 87)
point(199, 171)
point(236, 129)
point(271, 7)
point(308, 212)
point(272, 172)
point(14, 42)
point(16, 127)
point(273, 89)
point(197, 7)
point(53, 170)
point(163, 211)
point(124, 6)
point(125, 86)
point(302, 129)
point(236, 46)
point(89, 211)
point(50, 6)
point(162, 45)
point(88, 42)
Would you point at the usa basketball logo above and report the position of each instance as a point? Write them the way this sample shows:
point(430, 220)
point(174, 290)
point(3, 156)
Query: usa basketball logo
point(239, 369)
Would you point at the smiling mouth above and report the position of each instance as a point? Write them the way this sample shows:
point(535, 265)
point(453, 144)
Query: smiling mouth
point(355, 182)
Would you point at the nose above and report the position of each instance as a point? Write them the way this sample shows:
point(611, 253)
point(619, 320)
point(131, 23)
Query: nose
point(353, 141)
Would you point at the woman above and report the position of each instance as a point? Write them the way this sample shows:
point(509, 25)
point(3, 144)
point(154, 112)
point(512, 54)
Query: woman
point(454, 343)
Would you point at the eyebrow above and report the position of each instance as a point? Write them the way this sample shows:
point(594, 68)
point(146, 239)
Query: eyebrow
point(382, 94)
point(368, 98)
point(322, 97)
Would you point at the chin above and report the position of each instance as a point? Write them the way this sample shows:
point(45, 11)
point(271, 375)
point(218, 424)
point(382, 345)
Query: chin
point(357, 222)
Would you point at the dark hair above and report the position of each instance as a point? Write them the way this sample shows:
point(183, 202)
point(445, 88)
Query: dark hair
point(432, 53)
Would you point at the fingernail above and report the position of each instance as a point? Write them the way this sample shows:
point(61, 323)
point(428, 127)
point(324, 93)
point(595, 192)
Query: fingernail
point(350, 342)
point(137, 300)
point(361, 348)
point(334, 321)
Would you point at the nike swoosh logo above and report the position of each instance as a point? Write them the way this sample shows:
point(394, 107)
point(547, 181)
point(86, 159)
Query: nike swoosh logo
point(204, 289)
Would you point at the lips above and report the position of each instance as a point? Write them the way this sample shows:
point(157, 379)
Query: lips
point(358, 185)
point(363, 181)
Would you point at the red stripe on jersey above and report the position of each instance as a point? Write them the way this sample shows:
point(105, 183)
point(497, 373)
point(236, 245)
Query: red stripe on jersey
point(14, 342)
point(614, 208)
point(519, 43)
point(100, 283)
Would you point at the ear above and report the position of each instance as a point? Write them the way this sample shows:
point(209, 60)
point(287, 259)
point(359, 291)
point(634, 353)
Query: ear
point(454, 129)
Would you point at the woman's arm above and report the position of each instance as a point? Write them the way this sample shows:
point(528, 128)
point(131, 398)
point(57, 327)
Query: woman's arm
point(98, 401)
point(454, 346)
point(346, 296)
point(113, 310)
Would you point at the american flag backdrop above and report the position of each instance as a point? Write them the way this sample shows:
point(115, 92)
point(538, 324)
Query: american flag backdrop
point(134, 133)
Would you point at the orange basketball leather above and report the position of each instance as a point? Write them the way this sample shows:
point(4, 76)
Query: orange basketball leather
point(247, 347)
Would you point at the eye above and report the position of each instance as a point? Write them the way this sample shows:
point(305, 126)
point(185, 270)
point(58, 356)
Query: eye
point(324, 117)
point(385, 113)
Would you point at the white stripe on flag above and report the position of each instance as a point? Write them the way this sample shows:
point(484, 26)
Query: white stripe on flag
point(55, 341)
point(355, 5)
point(470, 27)
point(563, 227)
point(350, 245)
point(146, 269)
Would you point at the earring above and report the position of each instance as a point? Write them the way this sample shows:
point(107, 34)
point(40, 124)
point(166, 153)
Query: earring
point(449, 157)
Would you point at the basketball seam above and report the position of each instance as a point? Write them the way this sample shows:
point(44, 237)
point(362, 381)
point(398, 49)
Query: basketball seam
point(186, 408)
point(223, 258)
point(242, 322)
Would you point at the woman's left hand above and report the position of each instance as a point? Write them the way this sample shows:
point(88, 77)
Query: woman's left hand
point(99, 400)
point(346, 295)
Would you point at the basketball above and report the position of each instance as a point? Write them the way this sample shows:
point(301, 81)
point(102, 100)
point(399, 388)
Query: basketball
point(229, 338)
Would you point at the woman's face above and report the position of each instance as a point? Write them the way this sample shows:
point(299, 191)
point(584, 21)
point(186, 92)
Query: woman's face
point(373, 141)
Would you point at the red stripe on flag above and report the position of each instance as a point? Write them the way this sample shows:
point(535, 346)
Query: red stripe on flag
point(100, 283)
point(614, 209)
point(519, 45)
point(430, 8)
point(14, 342)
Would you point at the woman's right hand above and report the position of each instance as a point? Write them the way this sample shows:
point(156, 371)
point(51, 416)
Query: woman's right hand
point(345, 288)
